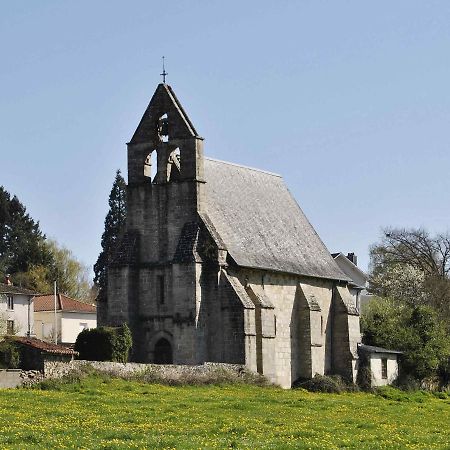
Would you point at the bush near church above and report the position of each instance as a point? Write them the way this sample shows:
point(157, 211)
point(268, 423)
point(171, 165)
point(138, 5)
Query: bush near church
point(104, 344)
point(9, 354)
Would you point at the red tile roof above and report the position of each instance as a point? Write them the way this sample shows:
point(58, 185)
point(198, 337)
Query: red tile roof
point(63, 303)
point(47, 347)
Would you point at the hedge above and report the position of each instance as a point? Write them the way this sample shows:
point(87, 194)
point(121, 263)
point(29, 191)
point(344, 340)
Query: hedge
point(104, 344)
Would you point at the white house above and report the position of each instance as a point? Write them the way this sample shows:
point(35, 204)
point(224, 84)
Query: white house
point(383, 363)
point(16, 309)
point(72, 316)
point(360, 280)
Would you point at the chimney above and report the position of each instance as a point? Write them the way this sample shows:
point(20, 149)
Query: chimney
point(8, 281)
point(353, 258)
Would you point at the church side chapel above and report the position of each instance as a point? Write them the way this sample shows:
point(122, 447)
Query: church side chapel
point(219, 263)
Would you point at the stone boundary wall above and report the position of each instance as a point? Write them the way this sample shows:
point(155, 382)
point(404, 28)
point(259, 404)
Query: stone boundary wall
point(58, 369)
point(12, 378)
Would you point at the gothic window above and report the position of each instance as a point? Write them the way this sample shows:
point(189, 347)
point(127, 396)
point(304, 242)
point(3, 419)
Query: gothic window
point(174, 165)
point(10, 301)
point(163, 128)
point(151, 166)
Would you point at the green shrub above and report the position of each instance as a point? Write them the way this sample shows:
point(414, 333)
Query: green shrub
point(364, 376)
point(417, 331)
point(398, 395)
point(323, 383)
point(104, 344)
point(407, 382)
point(9, 355)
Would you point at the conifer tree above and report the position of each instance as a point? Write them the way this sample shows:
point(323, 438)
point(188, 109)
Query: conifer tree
point(114, 227)
point(33, 261)
point(21, 240)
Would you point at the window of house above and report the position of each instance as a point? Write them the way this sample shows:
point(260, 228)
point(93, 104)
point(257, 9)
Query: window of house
point(10, 302)
point(161, 292)
point(384, 368)
point(10, 327)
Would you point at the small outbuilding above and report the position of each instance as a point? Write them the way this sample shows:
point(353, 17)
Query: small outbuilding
point(382, 363)
point(34, 352)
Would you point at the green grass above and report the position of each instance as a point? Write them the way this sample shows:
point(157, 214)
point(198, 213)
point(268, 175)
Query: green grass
point(112, 413)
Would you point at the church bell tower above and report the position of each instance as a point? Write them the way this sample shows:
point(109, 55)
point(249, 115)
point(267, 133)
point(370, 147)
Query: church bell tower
point(149, 287)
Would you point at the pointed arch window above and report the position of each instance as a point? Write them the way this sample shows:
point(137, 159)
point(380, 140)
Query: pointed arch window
point(163, 128)
point(174, 165)
point(151, 166)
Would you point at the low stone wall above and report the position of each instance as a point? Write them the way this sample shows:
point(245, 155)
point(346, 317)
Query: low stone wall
point(170, 372)
point(30, 377)
point(12, 378)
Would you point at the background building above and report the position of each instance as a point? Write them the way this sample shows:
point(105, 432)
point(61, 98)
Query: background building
point(359, 279)
point(16, 309)
point(72, 317)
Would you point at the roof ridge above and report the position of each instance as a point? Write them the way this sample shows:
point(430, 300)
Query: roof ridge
point(171, 93)
point(245, 167)
point(61, 295)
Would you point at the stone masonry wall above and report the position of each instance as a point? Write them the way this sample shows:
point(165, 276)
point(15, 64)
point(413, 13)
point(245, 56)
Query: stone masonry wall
point(302, 338)
point(55, 370)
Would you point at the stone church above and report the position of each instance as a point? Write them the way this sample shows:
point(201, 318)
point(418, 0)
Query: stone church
point(219, 263)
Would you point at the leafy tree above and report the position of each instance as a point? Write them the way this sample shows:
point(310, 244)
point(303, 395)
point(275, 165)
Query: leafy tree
point(33, 261)
point(413, 267)
point(21, 240)
point(71, 276)
point(114, 227)
point(415, 330)
point(400, 281)
point(429, 254)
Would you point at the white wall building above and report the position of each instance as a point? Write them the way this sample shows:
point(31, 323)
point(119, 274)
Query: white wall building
point(16, 310)
point(71, 317)
point(383, 363)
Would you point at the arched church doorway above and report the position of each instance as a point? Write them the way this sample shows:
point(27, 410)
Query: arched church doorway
point(163, 352)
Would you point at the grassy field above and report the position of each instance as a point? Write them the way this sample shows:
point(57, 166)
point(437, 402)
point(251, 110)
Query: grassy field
point(112, 413)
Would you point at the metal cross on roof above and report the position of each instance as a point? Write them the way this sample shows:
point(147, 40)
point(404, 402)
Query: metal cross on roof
point(164, 73)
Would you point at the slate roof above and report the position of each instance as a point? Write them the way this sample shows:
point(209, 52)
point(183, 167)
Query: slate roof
point(11, 289)
point(373, 349)
point(349, 263)
point(46, 347)
point(261, 223)
point(63, 303)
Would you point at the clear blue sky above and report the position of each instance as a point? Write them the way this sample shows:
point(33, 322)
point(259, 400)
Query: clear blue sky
point(348, 100)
